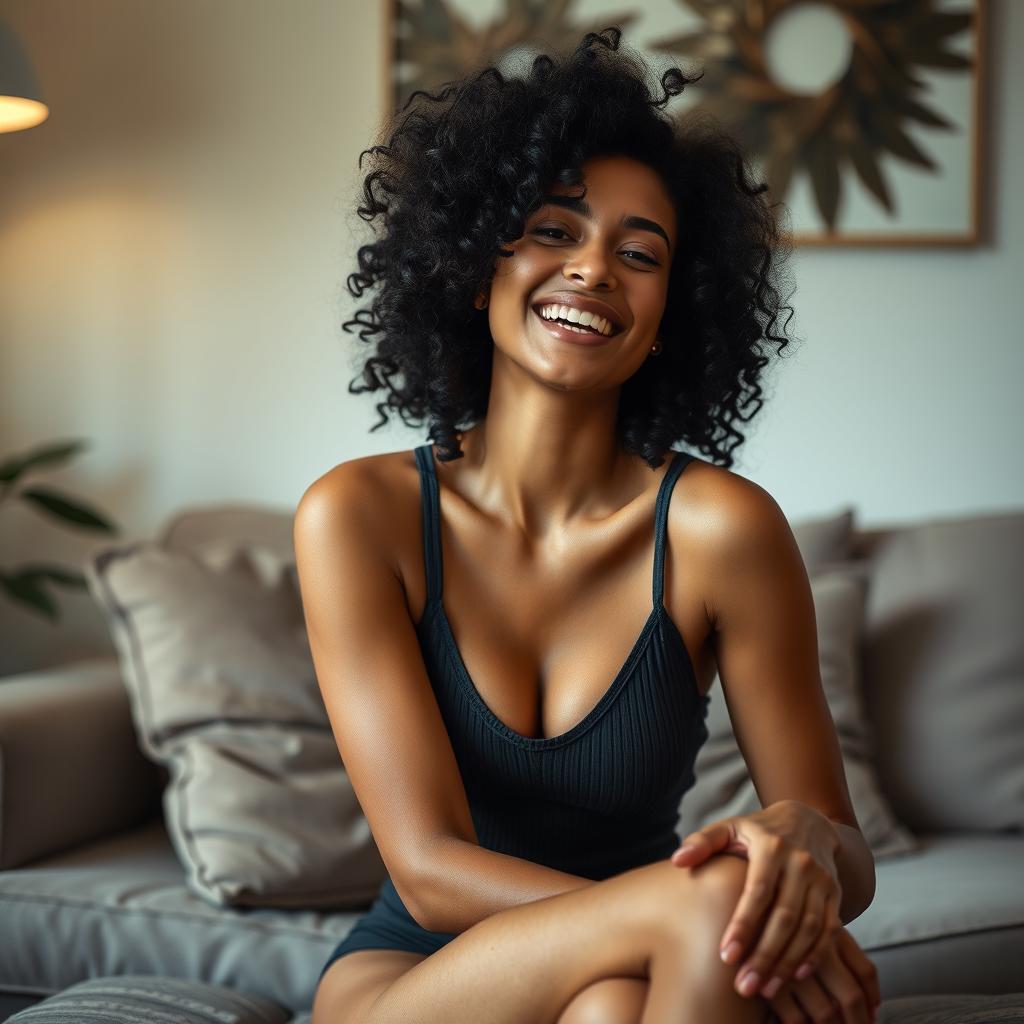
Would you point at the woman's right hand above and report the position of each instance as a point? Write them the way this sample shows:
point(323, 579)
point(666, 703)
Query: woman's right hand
point(842, 988)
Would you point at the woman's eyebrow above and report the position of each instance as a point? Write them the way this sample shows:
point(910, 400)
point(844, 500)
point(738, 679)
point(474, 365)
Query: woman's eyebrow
point(582, 207)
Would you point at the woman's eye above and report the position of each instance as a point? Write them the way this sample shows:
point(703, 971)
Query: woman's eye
point(549, 232)
point(643, 256)
point(541, 231)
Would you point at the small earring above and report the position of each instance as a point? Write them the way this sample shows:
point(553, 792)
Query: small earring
point(656, 347)
point(480, 301)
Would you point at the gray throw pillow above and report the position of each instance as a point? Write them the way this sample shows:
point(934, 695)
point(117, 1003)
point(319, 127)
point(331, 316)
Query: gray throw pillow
point(944, 671)
point(213, 649)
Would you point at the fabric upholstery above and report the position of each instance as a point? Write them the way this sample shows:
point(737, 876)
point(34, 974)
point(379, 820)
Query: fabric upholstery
point(254, 525)
point(964, 1008)
point(70, 765)
point(951, 884)
point(144, 999)
point(123, 906)
point(213, 650)
point(944, 671)
point(949, 917)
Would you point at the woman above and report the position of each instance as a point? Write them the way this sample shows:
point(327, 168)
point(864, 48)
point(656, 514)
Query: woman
point(579, 286)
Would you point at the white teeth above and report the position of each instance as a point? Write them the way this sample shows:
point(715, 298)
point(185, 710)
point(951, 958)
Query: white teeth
point(573, 315)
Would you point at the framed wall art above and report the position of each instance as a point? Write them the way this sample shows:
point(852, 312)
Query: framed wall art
point(864, 117)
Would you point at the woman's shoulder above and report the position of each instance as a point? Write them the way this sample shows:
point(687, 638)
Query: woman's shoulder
point(721, 510)
point(373, 490)
point(378, 472)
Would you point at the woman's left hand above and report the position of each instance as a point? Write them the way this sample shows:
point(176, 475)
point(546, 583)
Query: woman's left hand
point(790, 847)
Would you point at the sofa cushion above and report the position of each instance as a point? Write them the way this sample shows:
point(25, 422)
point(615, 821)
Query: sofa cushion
point(70, 766)
point(952, 884)
point(213, 649)
point(961, 1008)
point(724, 787)
point(122, 906)
point(944, 671)
point(136, 997)
point(948, 917)
point(824, 541)
point(254, 525)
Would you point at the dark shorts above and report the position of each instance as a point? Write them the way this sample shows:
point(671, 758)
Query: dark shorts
point(388, 925)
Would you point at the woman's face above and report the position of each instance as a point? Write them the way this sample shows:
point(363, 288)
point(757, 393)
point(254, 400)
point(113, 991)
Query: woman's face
point(615, 252)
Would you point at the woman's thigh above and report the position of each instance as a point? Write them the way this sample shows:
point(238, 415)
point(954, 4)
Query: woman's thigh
point(355, 983)
point(352, 983)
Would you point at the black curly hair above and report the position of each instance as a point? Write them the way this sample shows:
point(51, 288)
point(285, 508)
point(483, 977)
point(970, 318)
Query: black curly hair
point(464, 169)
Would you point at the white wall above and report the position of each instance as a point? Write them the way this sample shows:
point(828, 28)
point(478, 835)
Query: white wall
point(174, 243)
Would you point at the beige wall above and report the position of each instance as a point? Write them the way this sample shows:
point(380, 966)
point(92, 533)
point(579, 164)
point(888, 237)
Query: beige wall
point(174, 243)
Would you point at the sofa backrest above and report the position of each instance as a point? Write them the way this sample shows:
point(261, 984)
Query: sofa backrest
point(255, 524)
point(943, 669)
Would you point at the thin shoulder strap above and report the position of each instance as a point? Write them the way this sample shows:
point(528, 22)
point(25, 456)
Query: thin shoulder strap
point(430, 509)
point(431, 517)
point(680, 460)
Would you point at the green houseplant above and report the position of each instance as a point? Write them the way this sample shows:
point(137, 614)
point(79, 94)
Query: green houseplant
point(27, 585)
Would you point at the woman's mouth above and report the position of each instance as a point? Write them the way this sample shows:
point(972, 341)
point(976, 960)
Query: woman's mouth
point(573, 332)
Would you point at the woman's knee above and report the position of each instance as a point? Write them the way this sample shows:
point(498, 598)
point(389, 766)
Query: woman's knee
point(692, 900)
point(608, 1001)
point(722, 879)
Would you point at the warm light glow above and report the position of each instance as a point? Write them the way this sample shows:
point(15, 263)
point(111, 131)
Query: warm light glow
point(16, 113)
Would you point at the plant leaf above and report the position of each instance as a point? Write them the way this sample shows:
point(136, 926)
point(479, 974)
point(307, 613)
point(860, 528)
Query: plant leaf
point(27, 590)
point(61, 507)
point(54, 573)
point(14, 467)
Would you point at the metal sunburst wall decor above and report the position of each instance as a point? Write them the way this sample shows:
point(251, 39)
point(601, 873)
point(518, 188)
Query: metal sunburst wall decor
point(862, 116)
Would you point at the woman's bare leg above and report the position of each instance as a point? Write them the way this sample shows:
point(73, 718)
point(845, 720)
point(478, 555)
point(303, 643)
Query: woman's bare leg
point(529, 962)
point(690, 984)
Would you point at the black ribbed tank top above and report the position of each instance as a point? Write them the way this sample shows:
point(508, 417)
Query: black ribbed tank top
point(603, 797)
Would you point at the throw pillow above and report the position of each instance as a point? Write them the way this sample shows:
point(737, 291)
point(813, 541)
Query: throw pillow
point(213, 649)
point(944, 671)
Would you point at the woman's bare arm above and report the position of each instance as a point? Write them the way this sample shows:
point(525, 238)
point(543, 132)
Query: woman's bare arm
point(766, 646)
point(385, 717)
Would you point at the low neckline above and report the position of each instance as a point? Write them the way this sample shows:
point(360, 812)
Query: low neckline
point(434, 609)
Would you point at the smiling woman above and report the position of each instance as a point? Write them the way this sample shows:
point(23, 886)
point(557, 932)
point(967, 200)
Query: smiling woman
point(514, 627)
point(494, 184)
point(616, 238)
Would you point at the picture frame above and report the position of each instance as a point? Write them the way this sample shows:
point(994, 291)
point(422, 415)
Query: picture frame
point(877, 144)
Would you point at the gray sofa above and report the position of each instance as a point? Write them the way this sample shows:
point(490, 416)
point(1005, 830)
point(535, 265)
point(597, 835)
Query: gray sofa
point(91, 885)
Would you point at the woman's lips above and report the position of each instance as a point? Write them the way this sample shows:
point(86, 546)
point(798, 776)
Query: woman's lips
point(577, 338)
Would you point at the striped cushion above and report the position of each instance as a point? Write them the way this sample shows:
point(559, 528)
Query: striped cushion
point(143, 999)
point(953, 1009)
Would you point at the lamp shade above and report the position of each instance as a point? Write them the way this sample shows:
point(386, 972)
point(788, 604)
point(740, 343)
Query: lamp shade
point(21, 100)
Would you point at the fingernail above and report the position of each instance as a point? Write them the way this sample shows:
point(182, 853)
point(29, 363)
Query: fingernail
point(803, 971)
point(771, 989)
point(731, 952)
point(749, 983)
